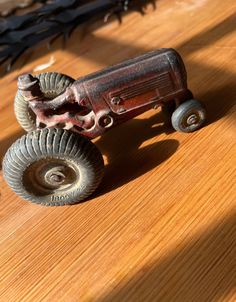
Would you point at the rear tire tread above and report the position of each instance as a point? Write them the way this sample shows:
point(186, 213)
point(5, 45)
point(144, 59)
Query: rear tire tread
point(51, 84)
point(21, 158)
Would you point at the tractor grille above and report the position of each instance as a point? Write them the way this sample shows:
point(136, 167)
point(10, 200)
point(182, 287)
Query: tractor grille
point(161, 83)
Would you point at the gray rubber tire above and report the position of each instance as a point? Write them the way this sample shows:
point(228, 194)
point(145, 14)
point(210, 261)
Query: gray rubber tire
point(30, 163)
point(52, 84)
point(189, 116)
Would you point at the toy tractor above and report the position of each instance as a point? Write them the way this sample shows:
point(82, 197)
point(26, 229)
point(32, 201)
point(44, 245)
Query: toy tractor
point(55, 163)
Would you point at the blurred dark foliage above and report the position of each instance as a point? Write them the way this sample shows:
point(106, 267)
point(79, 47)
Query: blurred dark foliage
point(54, 19)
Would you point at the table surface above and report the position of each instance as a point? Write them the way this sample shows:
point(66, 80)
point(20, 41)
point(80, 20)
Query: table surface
point(162, 225)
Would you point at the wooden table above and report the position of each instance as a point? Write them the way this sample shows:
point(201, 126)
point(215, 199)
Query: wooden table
point(162, 226)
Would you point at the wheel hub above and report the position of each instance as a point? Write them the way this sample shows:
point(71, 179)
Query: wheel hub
point(47, 176)
point(192, 119)
point(54, 177)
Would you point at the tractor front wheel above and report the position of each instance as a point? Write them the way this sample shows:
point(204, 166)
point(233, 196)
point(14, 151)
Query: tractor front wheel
point(189, 116)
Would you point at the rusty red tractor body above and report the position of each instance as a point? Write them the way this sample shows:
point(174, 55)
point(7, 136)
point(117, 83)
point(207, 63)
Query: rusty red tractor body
point(90, 106)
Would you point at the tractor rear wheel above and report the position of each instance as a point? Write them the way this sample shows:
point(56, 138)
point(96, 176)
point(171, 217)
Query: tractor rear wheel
point(52, 84)
point(53, 167)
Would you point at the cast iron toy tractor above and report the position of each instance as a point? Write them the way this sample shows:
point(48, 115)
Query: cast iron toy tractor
point(55, 163)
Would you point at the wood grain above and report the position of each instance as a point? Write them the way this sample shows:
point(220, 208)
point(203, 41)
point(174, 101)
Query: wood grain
point(162, 226)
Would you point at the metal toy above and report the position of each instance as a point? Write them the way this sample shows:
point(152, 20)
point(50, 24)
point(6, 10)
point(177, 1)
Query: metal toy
point(56, 163)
